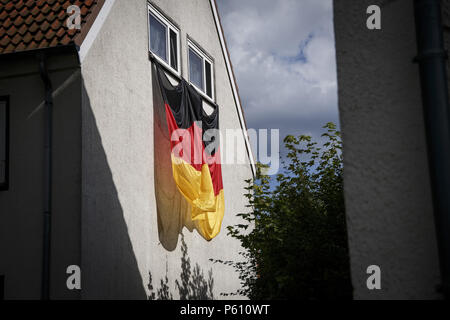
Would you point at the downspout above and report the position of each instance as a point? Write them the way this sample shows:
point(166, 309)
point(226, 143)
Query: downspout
point(433, 77)
point(45, 280)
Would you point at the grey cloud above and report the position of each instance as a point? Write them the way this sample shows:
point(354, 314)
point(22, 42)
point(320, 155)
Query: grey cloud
point(284, 58)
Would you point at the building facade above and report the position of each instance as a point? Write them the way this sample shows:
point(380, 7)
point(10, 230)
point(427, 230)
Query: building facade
point(104, 216)
point(388, 190)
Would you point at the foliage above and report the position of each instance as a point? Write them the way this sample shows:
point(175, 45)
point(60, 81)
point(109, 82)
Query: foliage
point(294, 234)
point(193, 285)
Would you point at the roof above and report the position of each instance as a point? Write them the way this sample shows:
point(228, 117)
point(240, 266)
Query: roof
point(34, 24)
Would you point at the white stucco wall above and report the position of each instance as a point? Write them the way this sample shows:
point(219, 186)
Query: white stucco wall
point(120, 244)
point(387, 186)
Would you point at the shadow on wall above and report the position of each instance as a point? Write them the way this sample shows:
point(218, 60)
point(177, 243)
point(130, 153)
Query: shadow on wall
point(192, 285)
point(110, 269)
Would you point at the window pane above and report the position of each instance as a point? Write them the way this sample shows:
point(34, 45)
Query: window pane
point(173, 50)
point(208, 79)
point(2, 142)
point(196, 69)
point(158, 38)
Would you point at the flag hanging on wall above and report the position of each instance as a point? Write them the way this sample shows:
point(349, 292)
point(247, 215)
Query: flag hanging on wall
point(187, 138)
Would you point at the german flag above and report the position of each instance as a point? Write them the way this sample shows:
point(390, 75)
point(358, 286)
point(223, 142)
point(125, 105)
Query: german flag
point(190, 136)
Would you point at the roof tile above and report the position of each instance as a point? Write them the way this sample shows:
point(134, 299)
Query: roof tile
point(56, 25)
point(60, 33)
point(13, 14)
point(39, 36)
point(9, 6)
point(30, 3)
point(34, 27)
point(50, 35)
point(40, 17)
point(21, 47)
point(51, 16)
point(16, 40)
point(31, 24)
point(35, 11)
point(23, 28)
point(32, 45)
point(19, 21)
point(11, 31)
point(7, 23)
point(44, 25)
point(54, 42)
point(24, 12)
point(29, 19)
point(61, 15)
point(27, 37)
point(84, 10)
point(43, 44)
point(40, 3)
point(10, 48)
point(3, 15)
point(4, 41)
point(46, 8)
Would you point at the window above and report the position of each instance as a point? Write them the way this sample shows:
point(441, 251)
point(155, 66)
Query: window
point(200, 71)
point(4, 115)
point(164, 40)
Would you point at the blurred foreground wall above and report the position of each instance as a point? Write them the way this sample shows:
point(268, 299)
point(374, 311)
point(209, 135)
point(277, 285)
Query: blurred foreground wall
point(387, 185)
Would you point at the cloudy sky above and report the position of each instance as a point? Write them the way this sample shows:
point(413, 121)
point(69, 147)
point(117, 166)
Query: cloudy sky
point(283, 56)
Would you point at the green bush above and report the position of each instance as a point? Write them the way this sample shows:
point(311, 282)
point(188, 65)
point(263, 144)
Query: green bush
point(294, 234)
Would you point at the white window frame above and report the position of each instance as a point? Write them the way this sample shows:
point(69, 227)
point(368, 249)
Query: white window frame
point(170, 26)
point(204, 57)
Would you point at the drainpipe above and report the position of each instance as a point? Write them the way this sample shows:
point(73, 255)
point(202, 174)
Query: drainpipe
point(45, 280)
point(433, 77)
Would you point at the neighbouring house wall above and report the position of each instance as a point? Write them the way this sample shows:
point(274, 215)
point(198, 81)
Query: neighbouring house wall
point(446, 28)
point(120, 244)
point(21, 206)
point(387, 186)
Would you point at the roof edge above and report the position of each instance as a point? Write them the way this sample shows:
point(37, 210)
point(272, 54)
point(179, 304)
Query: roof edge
point(234, 87)
point(79, 38)
point(95, 27)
